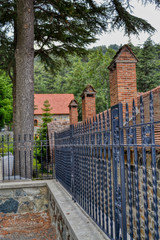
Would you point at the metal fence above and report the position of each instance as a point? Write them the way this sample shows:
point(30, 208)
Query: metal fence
point(109, 165)
point(26, 157)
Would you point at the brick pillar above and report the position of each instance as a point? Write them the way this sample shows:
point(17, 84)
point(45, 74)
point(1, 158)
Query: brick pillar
point(73, 112)
point(88, 103)
point(123, 85)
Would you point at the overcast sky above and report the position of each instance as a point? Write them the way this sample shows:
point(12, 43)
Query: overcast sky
point(148, 13)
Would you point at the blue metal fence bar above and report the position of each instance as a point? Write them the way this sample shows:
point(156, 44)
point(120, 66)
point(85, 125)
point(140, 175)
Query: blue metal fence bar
point(8, 158)
point(129, 138)
point(72, 162)
point(101, 141)
point(118, 157)
point(105, 175)
point(94, 174)
point(30, 156)
point(14, 168)
point(3, 155)
point(92, 167)
point(98, 172)
point(122, 173)
point(19, 139)
point(154, 174)
point(82, 142)
point(79, 164)
point(115, 160)
point(75, 162)
point(87, 166)
point(89, 170)
point(36, 156)
point(136, 172)
point(25, 157)
point(41, 150)
point(84, 166)
point(46, 146)
point(55, 152)
point(144, 133)
point(80, 161)
point(109, 175)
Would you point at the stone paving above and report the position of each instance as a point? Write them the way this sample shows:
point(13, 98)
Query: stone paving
point(29, 226)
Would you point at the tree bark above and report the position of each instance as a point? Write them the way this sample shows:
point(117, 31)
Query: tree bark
point(24, 115)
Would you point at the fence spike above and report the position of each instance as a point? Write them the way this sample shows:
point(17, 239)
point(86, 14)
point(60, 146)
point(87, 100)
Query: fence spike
point(127, 115)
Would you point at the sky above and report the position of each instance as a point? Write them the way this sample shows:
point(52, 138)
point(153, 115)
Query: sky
point(148, 13)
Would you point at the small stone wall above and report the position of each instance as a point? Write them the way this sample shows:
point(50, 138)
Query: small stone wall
point(23, 200)
point(63, 231)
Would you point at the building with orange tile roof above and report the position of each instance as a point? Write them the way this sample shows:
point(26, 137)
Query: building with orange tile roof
point(59, 106)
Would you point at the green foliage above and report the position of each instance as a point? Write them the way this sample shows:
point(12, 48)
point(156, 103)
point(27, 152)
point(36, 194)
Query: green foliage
point(41, 145)
point(6, 149)
point(63, 27)
point(46, 118)
point(123, 18)
point(42, 77)
point(73, 78)
point(92, 69)
point(114, 47)
point(36, 165)
point(5, 100)
point(148, 67)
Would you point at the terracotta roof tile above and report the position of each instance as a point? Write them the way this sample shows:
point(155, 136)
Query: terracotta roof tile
point(59, 102)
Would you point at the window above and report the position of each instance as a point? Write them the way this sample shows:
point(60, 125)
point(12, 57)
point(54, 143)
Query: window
point(35, 122)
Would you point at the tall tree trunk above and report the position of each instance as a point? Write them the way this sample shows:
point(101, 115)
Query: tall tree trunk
point(24, 116)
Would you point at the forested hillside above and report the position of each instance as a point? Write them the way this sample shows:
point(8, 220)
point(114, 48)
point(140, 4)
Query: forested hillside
point(92, 69)
point(72, 76)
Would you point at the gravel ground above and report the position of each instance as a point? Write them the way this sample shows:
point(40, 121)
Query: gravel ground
point(30, 226)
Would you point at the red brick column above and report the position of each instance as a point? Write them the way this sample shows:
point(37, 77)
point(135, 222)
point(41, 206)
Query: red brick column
point(123, 85)
point(88, 103)
point(73, 112)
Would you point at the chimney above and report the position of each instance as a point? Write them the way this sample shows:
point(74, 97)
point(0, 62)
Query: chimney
point(73, 112)
point(88, 103)
point(123, 86)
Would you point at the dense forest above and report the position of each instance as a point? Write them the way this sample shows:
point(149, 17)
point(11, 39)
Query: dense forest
point(73, 75)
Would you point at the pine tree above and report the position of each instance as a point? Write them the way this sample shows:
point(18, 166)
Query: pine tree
point(41, 145)
point(46, 118)
point(148, 74)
